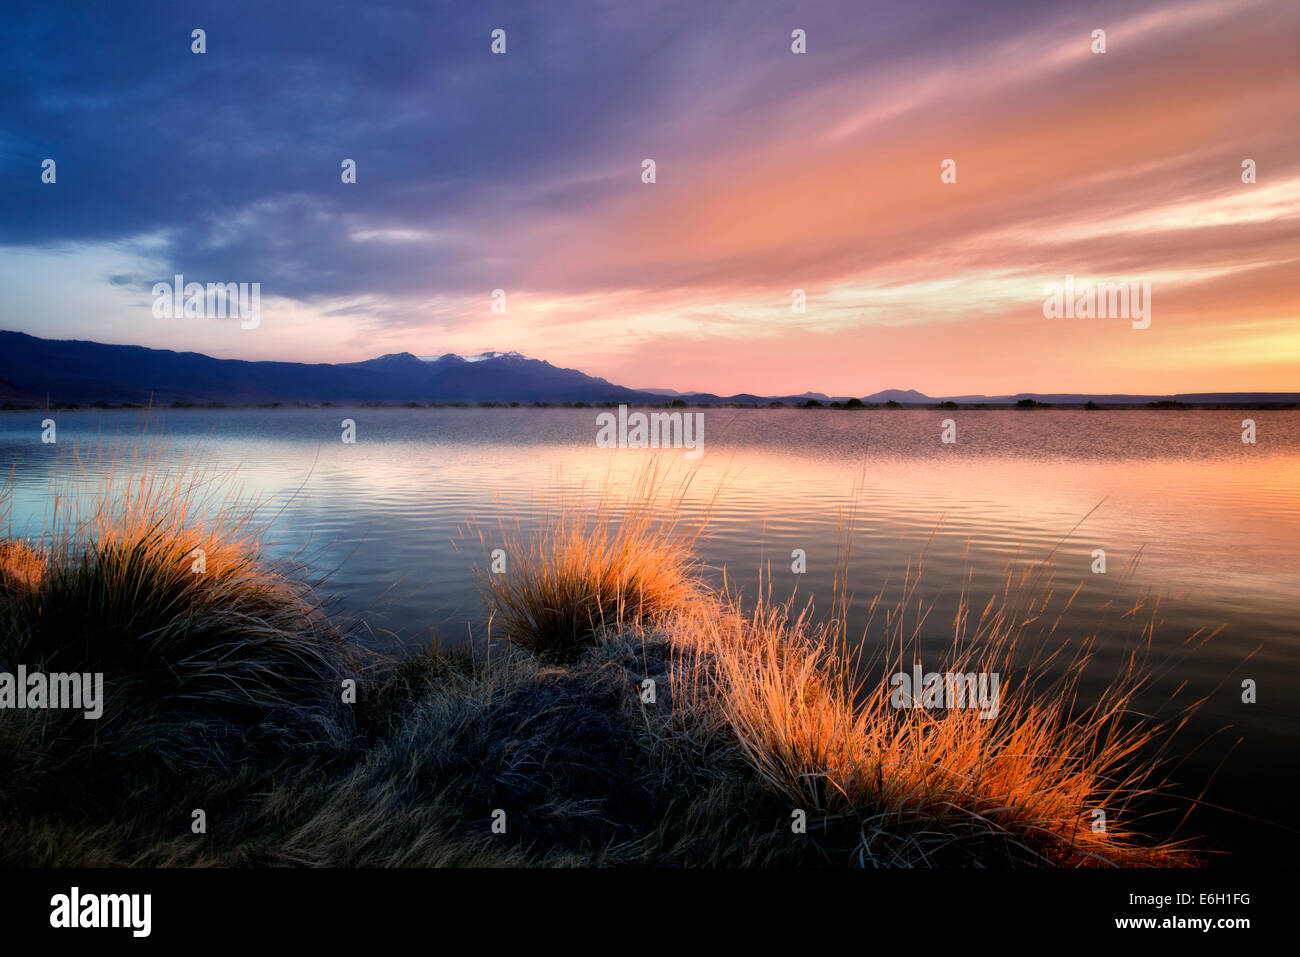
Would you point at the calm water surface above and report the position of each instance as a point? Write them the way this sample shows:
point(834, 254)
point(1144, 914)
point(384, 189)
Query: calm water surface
point(1200, 530)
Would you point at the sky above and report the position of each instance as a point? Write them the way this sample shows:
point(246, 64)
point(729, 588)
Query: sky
point(775, 171)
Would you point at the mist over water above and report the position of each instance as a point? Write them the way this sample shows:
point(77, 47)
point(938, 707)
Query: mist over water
point(1201, 532)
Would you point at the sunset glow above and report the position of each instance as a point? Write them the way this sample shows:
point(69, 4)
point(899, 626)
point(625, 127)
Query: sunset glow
point(775, 173)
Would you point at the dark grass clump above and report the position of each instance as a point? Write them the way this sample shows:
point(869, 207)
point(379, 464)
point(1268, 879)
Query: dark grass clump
point(210, 657)
point(596, 567)
point(550, 748)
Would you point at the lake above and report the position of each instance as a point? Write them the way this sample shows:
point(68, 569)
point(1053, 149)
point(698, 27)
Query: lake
point(1200, 531)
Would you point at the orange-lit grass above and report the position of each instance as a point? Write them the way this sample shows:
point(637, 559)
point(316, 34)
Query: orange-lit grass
point(920, 786)
point(156, 579)
point(200, 666)
point(623, 561)
point(21, 566)
point(901, 786)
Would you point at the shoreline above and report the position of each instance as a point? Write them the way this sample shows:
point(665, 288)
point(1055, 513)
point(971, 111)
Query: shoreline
point(623, 713)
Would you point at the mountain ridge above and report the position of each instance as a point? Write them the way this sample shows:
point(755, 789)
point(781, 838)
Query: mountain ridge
point(36, 370)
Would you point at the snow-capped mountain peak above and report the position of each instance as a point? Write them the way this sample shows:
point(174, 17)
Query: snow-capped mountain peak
point(478, 358)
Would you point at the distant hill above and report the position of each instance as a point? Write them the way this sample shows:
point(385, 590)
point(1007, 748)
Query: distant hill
point(1080, 398)
point(899, 395)
point(34, 371)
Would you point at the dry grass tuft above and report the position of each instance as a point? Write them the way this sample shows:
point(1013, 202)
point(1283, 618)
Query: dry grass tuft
point(919, 786)
point(596, 568)
point(21, 567)
point(210, 655)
